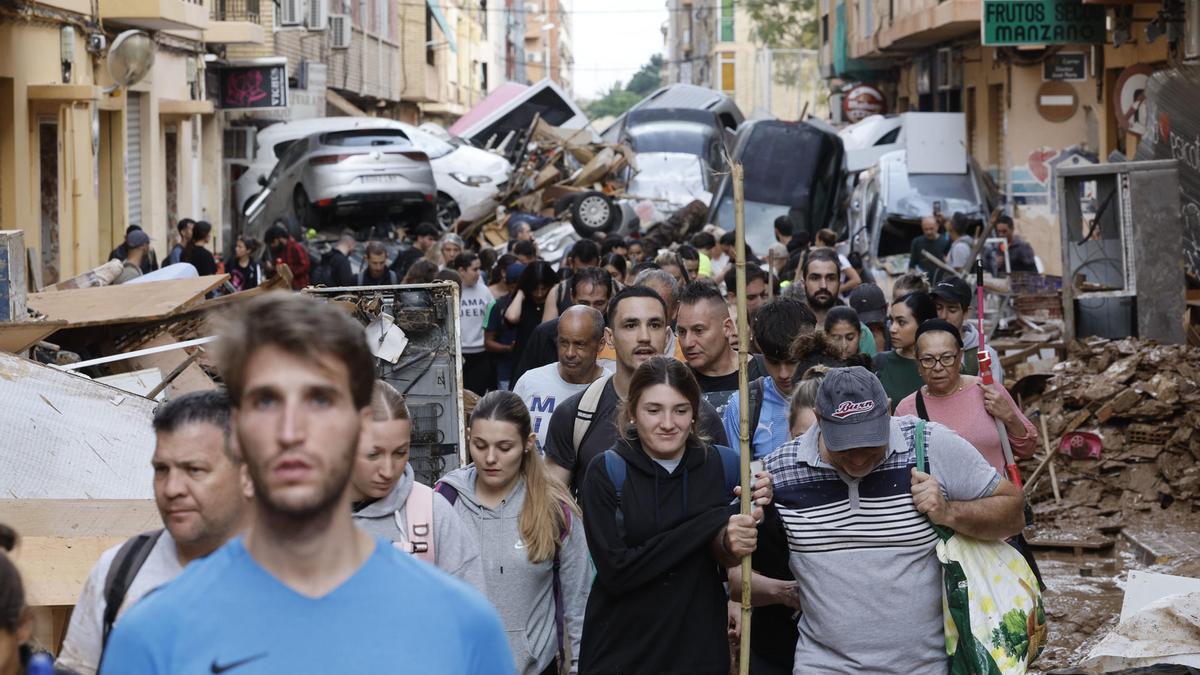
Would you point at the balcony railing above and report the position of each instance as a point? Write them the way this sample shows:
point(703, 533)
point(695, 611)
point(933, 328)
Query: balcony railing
point(234, 10)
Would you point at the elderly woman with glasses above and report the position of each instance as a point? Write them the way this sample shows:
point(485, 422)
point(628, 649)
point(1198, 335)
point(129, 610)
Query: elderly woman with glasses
point(963, 402)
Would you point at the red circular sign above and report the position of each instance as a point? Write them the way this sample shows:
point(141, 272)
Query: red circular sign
point(862, 101)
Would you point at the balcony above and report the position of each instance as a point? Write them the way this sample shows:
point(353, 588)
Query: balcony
point(186, 15)
point(234, 22)
point(917, 24)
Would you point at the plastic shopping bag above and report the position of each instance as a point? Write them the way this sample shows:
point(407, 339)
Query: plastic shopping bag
point(995, 622)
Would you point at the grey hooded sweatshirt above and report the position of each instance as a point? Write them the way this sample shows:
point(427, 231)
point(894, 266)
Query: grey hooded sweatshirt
point(523, 592)
point(970, 336)
point(455, 549)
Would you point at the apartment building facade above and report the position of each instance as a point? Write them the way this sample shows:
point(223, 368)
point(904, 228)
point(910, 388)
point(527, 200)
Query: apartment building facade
point(712, 44)
point(1028, 109)
point(547, 46)
point(80, 158)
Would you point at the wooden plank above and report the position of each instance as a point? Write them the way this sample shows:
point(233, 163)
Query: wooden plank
point(193, 377)
point(54, 568)
point(124, 303)
point(68, 437)
point(81, 518)
point(1088, 544)
point(17, 336)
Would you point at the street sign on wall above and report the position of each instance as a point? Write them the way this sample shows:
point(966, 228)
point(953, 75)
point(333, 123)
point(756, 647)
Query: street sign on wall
point(253, 86)
point(1065, 66)
point(1042, 22)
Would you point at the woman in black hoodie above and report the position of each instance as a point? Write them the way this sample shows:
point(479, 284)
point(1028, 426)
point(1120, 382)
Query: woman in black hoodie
point(661, 527)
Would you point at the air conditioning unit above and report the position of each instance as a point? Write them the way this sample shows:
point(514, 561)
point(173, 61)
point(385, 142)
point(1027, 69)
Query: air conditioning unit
point(339, 31)
point(291, 12)
point(318, 14)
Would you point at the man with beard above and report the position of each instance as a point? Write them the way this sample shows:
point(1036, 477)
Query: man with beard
point(585, 425)
point(704, 329)
point(822, 275)
point(580, 332)
point(305, 591)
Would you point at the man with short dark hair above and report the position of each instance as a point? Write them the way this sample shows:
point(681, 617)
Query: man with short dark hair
point(756, 287)
point(590, 287)
point(952, 298)
point(704, 328)
point(137, 251)
point(283, 249)
point(931, 241)
point(1021, 257)
point(184, 228)
point(375, 270)
point(584, 254)
point(305, 590)
point(424, 238)
point(776, 324)
point(202, 502)
point(526, 251)
point(585, 425)
point(614, 243)
point(580, 333)
point(822, 278)
point(856, 513)
point(961, 242)
point(337, 264)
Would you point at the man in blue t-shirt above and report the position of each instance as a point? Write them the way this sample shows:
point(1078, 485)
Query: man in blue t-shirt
point(305, 591)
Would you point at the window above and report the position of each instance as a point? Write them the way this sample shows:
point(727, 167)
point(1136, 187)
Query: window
point(483, 20)
point(428, 35)
point(727, 72)
point(825, 29)
point(727, 21)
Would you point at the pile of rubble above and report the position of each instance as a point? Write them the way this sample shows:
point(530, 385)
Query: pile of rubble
point(1142, 400)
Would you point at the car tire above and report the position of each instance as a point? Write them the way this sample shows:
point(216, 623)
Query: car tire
point(594, 213)
point(448, 212)
point(306, 214)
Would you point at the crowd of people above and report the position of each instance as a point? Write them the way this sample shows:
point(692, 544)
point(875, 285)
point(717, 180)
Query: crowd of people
point(596, 527)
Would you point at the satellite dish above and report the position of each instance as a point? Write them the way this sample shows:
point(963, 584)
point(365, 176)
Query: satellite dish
point(130, 58)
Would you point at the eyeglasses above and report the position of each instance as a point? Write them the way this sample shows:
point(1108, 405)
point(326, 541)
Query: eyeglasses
point(947, 360)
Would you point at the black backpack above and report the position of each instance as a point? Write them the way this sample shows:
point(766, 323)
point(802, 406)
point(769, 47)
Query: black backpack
point(125, 566)
point(322, 272)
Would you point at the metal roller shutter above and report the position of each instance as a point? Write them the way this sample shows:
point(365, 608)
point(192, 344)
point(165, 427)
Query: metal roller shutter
point(133, 157)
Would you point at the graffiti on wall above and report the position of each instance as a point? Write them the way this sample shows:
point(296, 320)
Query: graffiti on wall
point(1033, 183)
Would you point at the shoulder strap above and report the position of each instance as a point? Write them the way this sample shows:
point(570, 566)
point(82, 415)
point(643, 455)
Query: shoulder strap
point(125, 566)
point(731, 464)
point(614, 464)
point(419, 511)
point(446, 490)
point(560, 610)
point(919, 438)
point(922, 411)
point(585, 413)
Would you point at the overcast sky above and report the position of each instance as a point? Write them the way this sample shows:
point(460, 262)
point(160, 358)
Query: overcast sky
point(612, 39)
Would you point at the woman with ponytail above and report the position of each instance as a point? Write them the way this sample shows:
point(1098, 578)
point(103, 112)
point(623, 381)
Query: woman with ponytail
point(531, 540)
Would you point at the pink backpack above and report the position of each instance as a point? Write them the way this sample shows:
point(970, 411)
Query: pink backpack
point(418, 536)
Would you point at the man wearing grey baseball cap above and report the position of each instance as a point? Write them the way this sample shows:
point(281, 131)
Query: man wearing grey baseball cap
point(856, 513)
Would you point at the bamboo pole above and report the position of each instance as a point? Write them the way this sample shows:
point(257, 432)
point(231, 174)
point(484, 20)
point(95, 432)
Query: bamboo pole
point(743, 321)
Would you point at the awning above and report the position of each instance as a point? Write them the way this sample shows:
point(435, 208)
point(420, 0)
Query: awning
point(441, 22)
point(338, 101)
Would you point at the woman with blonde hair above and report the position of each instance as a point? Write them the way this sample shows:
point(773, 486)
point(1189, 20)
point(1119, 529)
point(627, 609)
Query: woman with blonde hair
point(534, 551)
point(390, 503)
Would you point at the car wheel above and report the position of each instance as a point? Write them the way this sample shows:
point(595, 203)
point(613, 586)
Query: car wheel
point(306, 213)
point(594, 213)
point(447, 211)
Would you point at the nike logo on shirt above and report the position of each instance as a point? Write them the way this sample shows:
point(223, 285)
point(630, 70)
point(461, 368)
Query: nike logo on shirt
point(223, 667)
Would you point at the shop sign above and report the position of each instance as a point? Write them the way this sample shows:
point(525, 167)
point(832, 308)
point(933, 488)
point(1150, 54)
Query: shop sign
point(861, 102)
point(252, 87)
point(1065, 66)
point(1042, 22)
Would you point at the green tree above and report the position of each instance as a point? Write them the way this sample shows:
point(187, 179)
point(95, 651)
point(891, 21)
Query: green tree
point(619, 99)
point(784, 24)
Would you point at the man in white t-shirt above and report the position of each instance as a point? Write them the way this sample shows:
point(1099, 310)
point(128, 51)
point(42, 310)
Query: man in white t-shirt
point(202, 501)
point(580, 331)
point(472, 309)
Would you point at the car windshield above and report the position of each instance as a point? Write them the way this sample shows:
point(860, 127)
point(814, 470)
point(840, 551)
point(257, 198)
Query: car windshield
point(760, 221)
point(364, 138)
point(429, 144)
point(913, 195)
point(670, 136)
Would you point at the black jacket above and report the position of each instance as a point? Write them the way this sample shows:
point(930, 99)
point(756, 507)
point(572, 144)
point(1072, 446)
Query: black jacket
point(340, 272)
point(658, 604)
point(541, 349)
